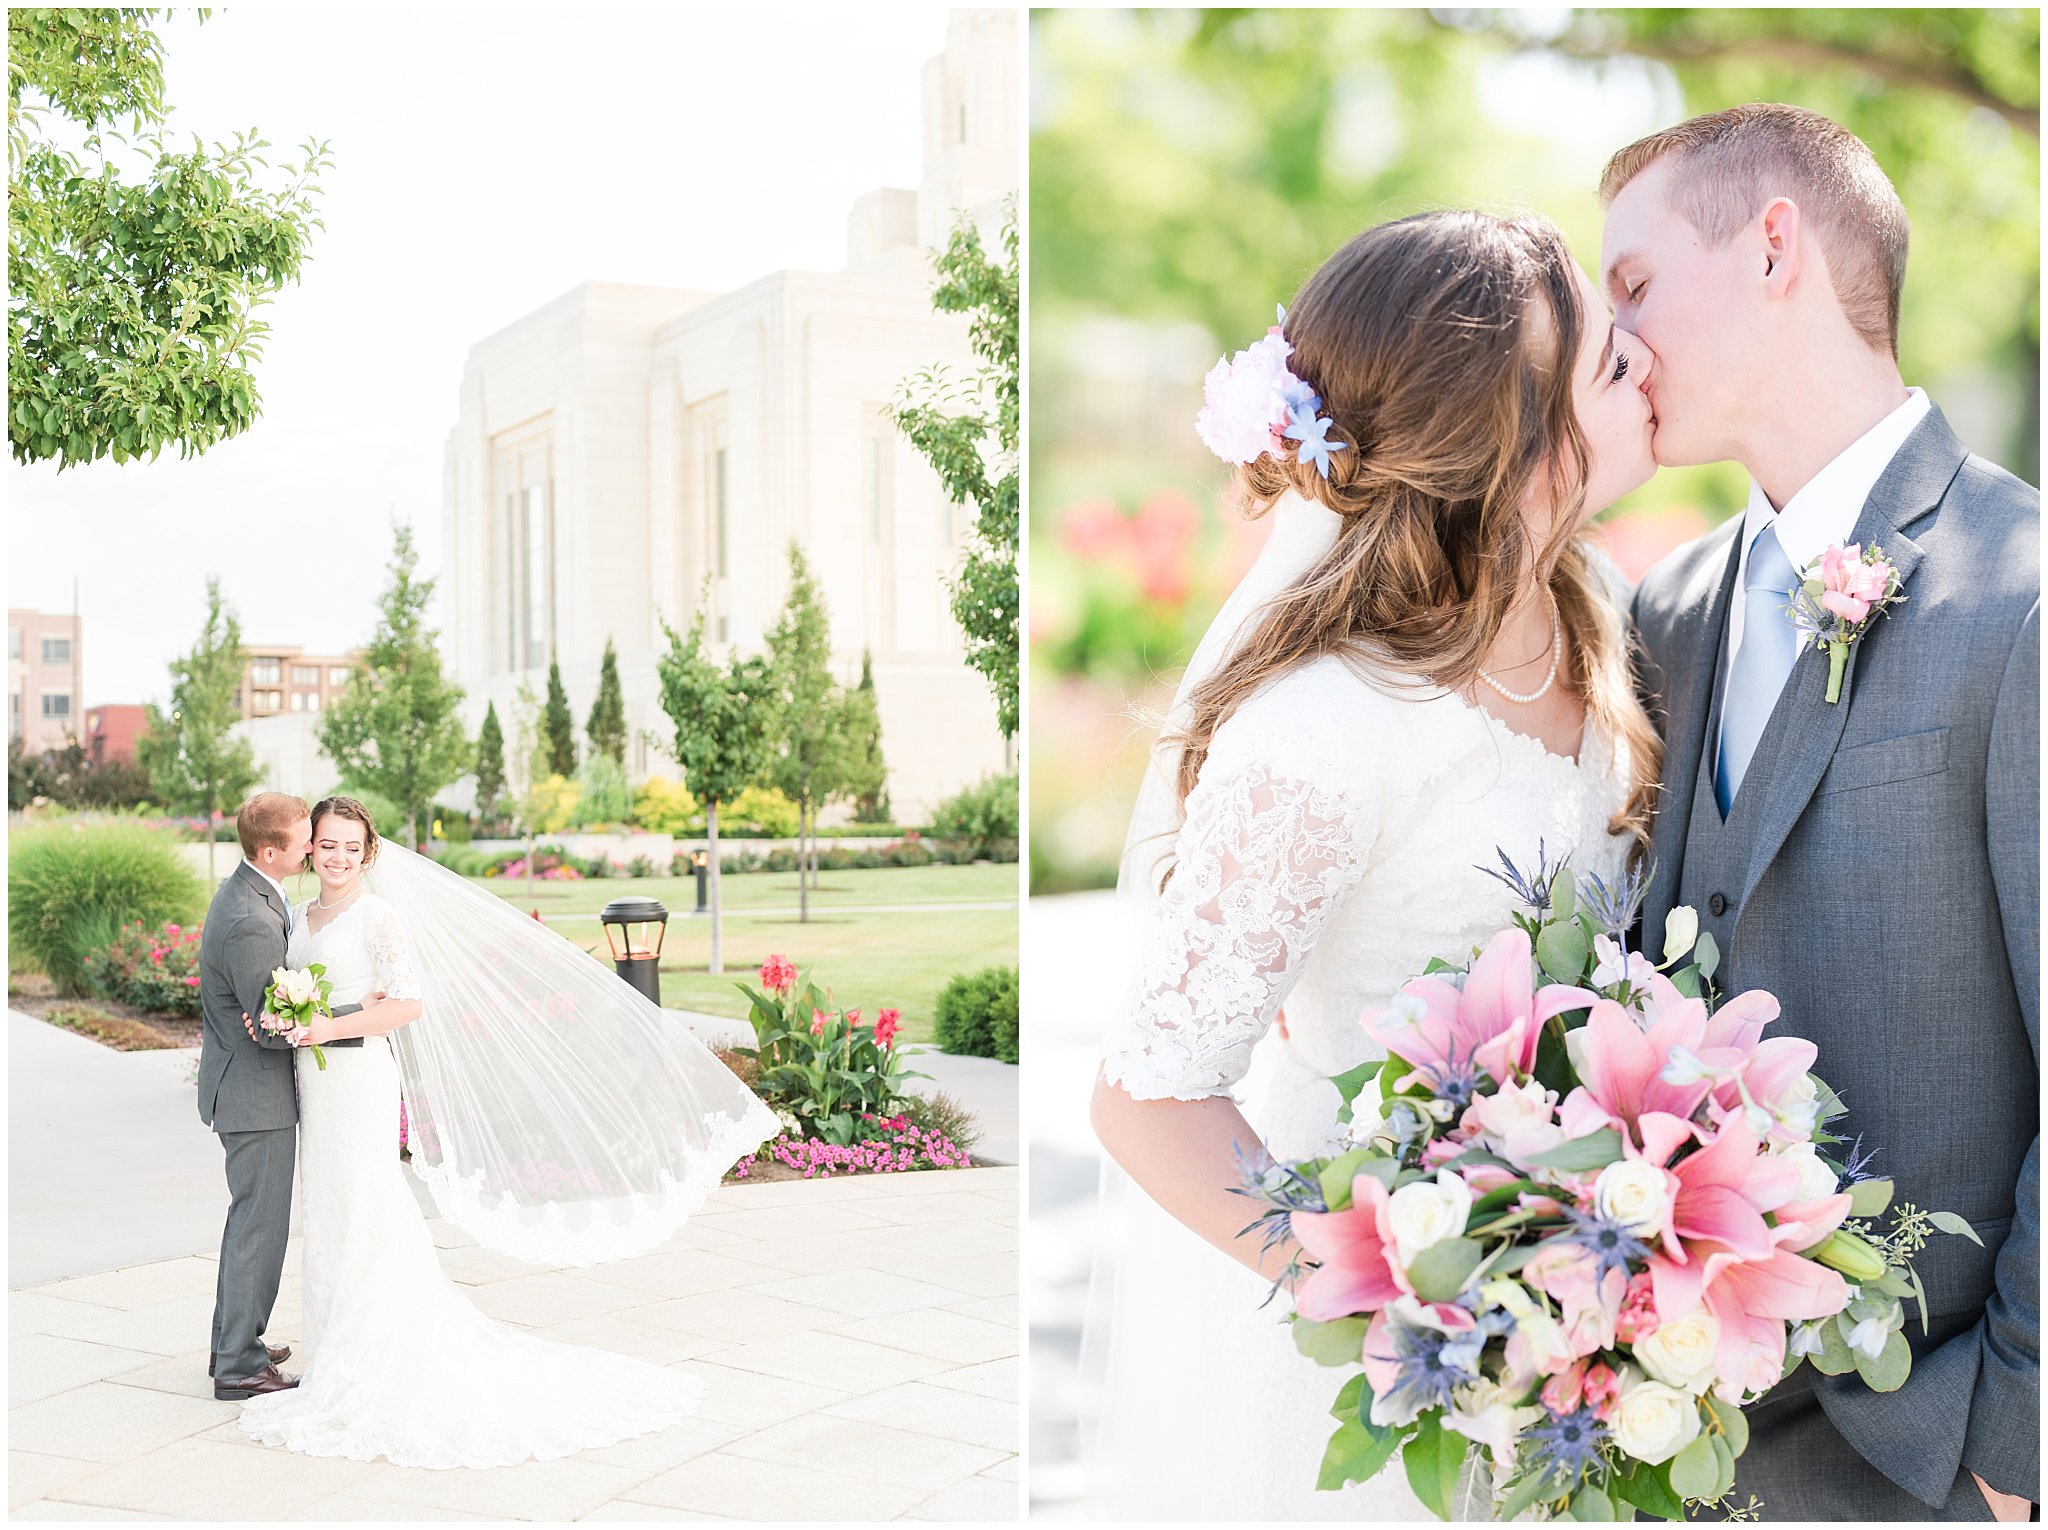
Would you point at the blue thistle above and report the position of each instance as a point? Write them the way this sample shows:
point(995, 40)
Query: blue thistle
point(1857, 1167)
point(1453, 1080)
point(1532, 890)
point(1611, 1244)
point(1615, 907)
point(1429, 1363)
point(1563, 1447)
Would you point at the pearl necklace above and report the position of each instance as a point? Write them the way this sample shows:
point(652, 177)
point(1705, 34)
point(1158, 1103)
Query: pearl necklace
point(1556, 654)
point(352, 892)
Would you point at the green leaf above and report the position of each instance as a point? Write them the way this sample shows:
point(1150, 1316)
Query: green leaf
point(1949, 1222)
point(1687, 981)
point(1706, 955)
point(1590, 1504)
point(1562, 950)
point(1649, 1489)
point(1346, 1405)
point(1920, 1296)
point(1522, 1494)
point(1564, 895)
point(1440, 1271)
point(1336, 1177)
point(1339, 1342)
point(1869, 1197)
point(1835, 1357)
point(1351, 1083)
point(1433, 1457)
point(1504, 1195)
point(1888, 1372)
point(1734, 1423)
point(1894, 1282)
point(1695, 1470)
point(1724, 1467)
point(1396, 1069)
point(1355, 1454)
point(1596, 1150)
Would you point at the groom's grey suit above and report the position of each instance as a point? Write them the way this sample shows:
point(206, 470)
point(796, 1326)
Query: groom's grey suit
point(1879, 872)
point(246, 1096)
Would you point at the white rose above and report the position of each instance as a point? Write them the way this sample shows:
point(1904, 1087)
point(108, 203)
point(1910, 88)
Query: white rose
point(1633, 1194)
point(1513, 1107)
point(1681, 931)
point(1428, 1212)
point(1681, 1353)
point(1816, 1179)
point(1653, 1422)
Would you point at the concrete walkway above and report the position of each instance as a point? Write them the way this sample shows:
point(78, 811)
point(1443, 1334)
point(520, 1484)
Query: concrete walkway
point(859, 1337)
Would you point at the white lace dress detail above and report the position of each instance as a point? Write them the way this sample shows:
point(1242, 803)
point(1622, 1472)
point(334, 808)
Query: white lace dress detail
point(398, 1363)
point(1338, 838)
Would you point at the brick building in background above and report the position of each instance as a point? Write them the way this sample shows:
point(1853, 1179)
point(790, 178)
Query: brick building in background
point(44, 665)
point(111, 732)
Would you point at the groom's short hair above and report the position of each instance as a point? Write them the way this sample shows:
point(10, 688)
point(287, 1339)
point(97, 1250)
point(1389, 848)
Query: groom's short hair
point(1728, 164)
point(265, 821)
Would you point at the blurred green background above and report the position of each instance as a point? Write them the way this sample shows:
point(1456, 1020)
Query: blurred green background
point(1190, 168)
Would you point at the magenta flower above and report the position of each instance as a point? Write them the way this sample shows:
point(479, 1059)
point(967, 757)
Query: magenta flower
point(1492, 1023)
point(1350, 1248)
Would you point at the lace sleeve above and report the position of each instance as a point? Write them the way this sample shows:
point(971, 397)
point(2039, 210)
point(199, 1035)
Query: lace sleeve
point(1263, 859)
point(390, 957)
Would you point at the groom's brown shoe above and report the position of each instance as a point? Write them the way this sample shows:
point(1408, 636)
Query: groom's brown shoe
point(269, 1379)
point(279, 1353)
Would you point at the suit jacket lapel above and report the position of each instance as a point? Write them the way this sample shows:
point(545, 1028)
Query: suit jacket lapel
point(1800, 739)
point(262, 888)
point(1689, 678)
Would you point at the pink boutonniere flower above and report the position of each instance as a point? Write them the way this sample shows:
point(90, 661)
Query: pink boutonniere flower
point(1836, 600)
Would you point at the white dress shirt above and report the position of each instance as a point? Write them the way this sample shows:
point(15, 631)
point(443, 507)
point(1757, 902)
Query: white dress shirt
point(1825, 509)
point(282, 896)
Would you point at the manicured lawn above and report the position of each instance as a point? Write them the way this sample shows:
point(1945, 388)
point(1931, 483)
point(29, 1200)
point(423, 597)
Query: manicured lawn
point(868, 960)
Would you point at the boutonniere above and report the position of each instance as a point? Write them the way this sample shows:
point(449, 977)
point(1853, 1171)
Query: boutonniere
point(1837, 598)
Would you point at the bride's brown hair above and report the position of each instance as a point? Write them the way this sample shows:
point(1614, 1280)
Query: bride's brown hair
point(355, 812)
point(1425, 339)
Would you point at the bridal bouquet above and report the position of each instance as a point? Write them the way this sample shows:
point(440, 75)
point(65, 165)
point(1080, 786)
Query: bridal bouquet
point(1587, 1212)
point(294, 997)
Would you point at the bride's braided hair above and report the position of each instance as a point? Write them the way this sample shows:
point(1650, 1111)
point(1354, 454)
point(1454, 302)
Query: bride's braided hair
point(355, 812)
point(1416, 336)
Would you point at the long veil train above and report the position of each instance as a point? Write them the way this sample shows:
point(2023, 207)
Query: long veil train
point(557, 1115)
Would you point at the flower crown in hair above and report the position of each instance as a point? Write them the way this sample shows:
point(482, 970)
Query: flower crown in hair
point(1251, 405)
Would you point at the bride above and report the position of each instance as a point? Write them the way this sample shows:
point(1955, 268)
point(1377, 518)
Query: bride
point(549, 1115)
point(1427, 664)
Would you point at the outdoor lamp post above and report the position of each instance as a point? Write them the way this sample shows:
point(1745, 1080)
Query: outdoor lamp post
point(636, 955)
point(700, 863)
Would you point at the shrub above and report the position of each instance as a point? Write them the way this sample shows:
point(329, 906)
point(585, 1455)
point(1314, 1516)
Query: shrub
point(911, 852)
point(597, 868)
point(822, 1065)
point(602, 794)
point(665, 807)
point(759, 812)
point(551, 806)
point(977, 1014)
point(744, 860)
point(944, 1116)
point(152, 969)
point(779, 859)
point(69, 891)
point(980, 816)
point(465, 862)
point(642, 866)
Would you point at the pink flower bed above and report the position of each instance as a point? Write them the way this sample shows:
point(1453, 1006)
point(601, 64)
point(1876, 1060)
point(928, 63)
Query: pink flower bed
point(898, 1146)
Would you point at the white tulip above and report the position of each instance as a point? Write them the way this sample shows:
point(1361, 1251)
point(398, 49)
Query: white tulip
point(1654, 1422)
point(1633, 1194)
point(1681, 1354)
point(1681, 931)
point(1427, 1212)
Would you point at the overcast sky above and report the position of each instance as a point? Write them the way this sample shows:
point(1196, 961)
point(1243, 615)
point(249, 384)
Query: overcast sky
point(486, 161)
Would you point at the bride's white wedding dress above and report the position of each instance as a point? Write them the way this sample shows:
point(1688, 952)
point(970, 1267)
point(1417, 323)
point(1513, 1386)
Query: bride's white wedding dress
point(398, 1363)
point(1333, 845)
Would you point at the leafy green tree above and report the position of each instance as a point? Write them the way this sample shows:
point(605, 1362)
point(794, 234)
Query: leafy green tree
point(395, 730)
point(490, 764)
point(607, 725)
point(603, 797)
point(966, 428)
point(558, 727)
point(810, 751)
point(722, 719)
point(195, 762)
point(132, 301)
point(866, 779)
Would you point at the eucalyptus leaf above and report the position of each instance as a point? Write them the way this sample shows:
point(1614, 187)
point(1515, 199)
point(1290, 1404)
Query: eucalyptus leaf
point(1522, 1494)
point(1338, 1342)
point(1706, 955)
point(1835, 1357)
point(1687, 981)
point(1920, 1296)
point(1440, 1271)
point(1734, 1423)
point(1336, 1176)
point(1564, 895)
point(1562, 949)
point(1724, 1466)
point(1590, 1504)
point(1888, 1372)
point(1869, 1197)
point(1695, 1470)
point(1949, 1222)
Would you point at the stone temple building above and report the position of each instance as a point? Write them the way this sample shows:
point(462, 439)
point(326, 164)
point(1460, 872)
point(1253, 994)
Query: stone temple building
point(621, 445)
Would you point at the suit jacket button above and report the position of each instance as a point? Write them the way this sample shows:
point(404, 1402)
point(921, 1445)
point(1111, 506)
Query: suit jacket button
point(1717, 905)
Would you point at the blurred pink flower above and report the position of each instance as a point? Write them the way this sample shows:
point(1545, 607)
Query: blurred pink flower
point(1094, 528)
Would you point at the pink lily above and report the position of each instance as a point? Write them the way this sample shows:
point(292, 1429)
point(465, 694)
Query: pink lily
point(1752, 1300)
point(1350, 1248)
point(1621, 1066)
point(1722, 1192)
point(1804, 1224)
point(1493, 1023)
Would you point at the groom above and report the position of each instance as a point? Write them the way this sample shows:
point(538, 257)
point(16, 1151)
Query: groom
point(245, 1089)
point(1874, 861)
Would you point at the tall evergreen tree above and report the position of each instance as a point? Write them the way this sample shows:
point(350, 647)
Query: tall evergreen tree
point(558, 727)
point(808, 753)
point(396, 729)
point(867, 773)
point(607, 725)
point(195, 762)
point(722, 719)
point(490, 764)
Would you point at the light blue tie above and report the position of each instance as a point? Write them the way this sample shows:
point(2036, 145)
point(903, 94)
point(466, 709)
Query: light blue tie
point(1769, 645)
